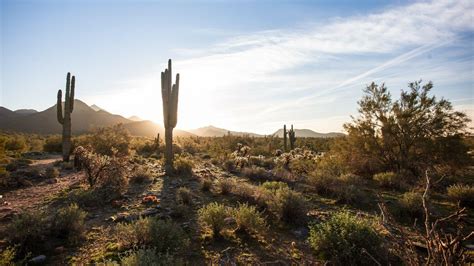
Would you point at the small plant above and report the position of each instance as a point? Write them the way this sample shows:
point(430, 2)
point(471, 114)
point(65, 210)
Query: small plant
point(141, 174)
point(69, 222)
point(288, 205)
point(225, 185)
point(273, 186)
point(51, 172)
point(388, 180)
point(206, 184)
point(255, 172)
point(212, 216)
point(184, 196)
point(345, 239)
point(183, 166)
point(163, 235)
point(463, 195)
point(145, 257)
point(27, 230)
point(248, 219)
point(411, 203)
point(7, 256)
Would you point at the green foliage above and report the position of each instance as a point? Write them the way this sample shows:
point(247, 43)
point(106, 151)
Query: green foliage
point(183, 166)
point(69, 222)
point(273, 186)
point(52, 172)
point(206, 184)
point(184, 196)
point(163, 235)
point(53, 144)
point(345, 239)
point(212, 216)
point(27, 230)
point(114, 140)
point(146, 257)
point(388, 180)
point(16, 143)
point(411, 203)
point(255, 172)
point(248, 219)
point(225, 185)
point(141, 174)
point(7, 256)
point(463, 195)
point(410, 133)
point(289, 206)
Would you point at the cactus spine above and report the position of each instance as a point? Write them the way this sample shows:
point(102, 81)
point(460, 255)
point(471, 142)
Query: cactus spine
point(66, 119)
point(284, 138)
point(292, 137)
point(169, 94)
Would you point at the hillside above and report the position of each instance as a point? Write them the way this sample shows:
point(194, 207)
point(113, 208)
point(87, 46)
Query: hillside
point(149, 129)
point(211, 131)
point(307, 133)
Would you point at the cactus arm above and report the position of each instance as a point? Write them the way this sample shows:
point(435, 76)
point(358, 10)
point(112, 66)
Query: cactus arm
point(60, 107)
point(165, 96)
point(68, 88)
point(71, 96)
point(174, 103)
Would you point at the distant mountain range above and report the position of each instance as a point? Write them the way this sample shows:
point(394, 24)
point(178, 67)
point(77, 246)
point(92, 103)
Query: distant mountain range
point(86, 118)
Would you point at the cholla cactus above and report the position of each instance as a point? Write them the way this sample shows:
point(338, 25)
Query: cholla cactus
point(169, 94)
point(66, 119)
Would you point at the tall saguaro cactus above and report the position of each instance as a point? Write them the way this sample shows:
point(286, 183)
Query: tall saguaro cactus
point(284, 138)
point(169, 94)
point(292, 137)
point(66, 119)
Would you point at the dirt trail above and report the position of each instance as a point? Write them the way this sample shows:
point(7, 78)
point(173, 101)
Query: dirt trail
point(34, 196)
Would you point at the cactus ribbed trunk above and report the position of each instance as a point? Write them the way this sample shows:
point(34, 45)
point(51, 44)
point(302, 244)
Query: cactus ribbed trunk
point(292, 137)
point(169, 95)
point(284, 139)
point(66, 119)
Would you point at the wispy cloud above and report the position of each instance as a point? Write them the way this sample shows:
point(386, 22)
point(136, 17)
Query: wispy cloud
point(257, 80)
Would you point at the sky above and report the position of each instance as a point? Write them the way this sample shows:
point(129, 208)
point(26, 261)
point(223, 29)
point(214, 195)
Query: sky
point(244, 65)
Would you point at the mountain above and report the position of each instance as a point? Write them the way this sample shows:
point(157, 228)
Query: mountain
point(135, 118)
point(149, 129)
point(211, 131)
point(307, 133)
point(25, 111)
point(97, 108)
point(45, 122)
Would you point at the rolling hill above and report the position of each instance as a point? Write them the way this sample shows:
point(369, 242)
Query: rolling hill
point(211, 131)
point(307, 133)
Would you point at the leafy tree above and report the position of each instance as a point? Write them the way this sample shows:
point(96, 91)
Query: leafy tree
point(408, 134)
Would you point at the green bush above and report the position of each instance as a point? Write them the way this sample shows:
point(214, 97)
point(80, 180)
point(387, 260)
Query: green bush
point(53, 144)
point(141, 174)
point(388, 180)
point(225, 185)
point(274, 185)
point(411, 203)
point(248, 219)
point(206, 184)
point(184, 196)
point(114, 140)
point(344, 238)
point(16, 143)
point(69, 222)
point(51, 172)
point(7, 256)
point(463, 195)
point(146, 257)
point(289, 206)
point(27, 230)
point(183, 166)
point(163, 235)
point(255, 172)
point(212, 216)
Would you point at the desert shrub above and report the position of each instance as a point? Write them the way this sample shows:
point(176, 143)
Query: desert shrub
point(51, 172)
point(16, 143)
point(347, 193)
point(322, 184)
point(53, 144)
point(87, 197)
point(184, 196)
point(331, 165)
point(183, 166)
point(163, 235)
point(17, 164)
point(212, 217)
point(411, 203)
point(4, 177)
point(141, 174)
point(7, 256)
point(463, 195)
point(302, 166)
point(206, 184)
point(114, 182)
point(289, 206)
point(114, 140)
point(273, 186)
point(255, 172)
point(388, 180)
point(228, 165)
point(248, 219)
point(225, 185)
point(69, 222)
point(344, 239)
point(146, 257)
point(27, 230)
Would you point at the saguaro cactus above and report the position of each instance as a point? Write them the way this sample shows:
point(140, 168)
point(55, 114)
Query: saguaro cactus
point(169, 94)
point(66, 119)
point(284, 138)
point(292, 138)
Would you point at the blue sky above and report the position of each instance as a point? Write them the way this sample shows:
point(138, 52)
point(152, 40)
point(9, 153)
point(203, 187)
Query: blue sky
point(244, 65)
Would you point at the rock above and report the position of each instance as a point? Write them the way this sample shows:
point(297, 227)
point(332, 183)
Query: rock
point(38, 259)
point(149, 212)
point(59, 249)
point(301, 232)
